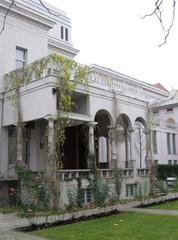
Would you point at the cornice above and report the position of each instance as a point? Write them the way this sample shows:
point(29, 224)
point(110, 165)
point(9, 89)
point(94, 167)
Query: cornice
point(124, 78)
point(26, 16)
point(61, 45)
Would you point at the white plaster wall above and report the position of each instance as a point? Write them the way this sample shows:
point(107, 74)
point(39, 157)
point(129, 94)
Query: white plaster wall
point(37, 101)
point(56, 30)
point(22, 35)
point(162, 156)
point(133, 108)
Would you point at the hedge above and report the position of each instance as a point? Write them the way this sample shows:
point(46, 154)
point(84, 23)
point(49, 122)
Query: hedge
point(166, 170)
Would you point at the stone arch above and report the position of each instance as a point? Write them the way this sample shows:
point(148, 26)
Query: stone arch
point(142, 121)
point(123, 121)
point(123, 140)
point(140, 141)
point(101, 133)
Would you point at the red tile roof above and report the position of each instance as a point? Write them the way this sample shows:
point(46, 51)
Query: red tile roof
point(158, 85)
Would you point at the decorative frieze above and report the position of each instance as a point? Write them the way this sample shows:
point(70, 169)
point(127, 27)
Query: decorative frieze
point(24, 19)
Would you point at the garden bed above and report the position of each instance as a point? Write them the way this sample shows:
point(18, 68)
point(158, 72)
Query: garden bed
point(42, 222)
point(74, 219)
point(159, 200)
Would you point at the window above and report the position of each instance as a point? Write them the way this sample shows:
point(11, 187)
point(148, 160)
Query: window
point(156, 162)
point(170, 123)
point(174, 143)
point(154, 142)
point(26, 145)
point(175, 162)
point(168, 143)
point(169, 161)
point(12, 145)
point(169, 109)
point(155, 111)
point(66, 34)
point(21, 57)
point(62, 32)
point(130, 190)
point(86, 196)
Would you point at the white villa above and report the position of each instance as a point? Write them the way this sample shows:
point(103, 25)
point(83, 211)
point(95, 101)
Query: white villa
point(115, 108)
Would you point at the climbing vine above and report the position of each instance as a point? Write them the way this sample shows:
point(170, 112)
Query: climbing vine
point(68, 74)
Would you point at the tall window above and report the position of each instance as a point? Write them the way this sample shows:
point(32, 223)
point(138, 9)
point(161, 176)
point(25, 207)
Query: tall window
point(130, 190)
point(26, 145)
point(66, 34)
point(21, 57)
point(174, 143)
point(62, 32)
point(168, 143)
point(155, 142)
point(12, 145)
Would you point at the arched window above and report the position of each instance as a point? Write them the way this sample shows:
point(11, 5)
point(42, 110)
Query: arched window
point(170, 123)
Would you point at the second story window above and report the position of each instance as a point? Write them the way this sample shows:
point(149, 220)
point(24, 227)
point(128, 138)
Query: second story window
point(62, 32)
point(21, 57)
point(66, 34)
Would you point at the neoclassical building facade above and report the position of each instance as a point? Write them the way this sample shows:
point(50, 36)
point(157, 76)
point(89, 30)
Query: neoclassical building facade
point(116, 110)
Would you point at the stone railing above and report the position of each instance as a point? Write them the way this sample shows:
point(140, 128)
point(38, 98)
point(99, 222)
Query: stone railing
point(74, 173)
point(143, 172)
point(130, 164)
point(70, 174)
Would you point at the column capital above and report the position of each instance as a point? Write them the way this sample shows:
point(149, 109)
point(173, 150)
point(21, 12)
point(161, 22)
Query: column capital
point(131, 130)
point(50, 118)
point(91, 124)
point(147, 131)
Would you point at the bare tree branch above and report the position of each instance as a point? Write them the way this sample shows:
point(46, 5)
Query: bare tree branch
point(49, 11)
point(171, 25)
point(158, 13)
point(4, 21)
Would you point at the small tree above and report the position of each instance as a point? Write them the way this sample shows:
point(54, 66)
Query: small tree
point(140, 142)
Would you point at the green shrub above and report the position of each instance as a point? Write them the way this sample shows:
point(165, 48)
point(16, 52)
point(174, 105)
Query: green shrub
point(166, 170)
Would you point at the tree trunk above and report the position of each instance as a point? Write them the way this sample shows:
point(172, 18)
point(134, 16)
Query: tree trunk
point(20, 160)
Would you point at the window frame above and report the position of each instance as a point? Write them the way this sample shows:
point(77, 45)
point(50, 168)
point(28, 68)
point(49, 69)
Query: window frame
point(20, 60)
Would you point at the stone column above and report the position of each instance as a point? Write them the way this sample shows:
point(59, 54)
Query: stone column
point(50, 165)
point(51, 168)
point(112, 149)
point(91, 137)
point(148, 148)
point(131, 135)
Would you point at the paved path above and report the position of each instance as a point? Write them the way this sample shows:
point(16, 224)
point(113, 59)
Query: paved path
point(150, 211)
point(8, 222)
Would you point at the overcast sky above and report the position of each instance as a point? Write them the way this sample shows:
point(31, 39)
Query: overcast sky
point(111, 33)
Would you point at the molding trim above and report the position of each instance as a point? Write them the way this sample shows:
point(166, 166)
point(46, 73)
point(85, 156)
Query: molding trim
point(29, 19)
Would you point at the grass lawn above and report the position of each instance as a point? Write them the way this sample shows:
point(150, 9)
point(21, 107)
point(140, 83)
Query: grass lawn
point(173, 205)
point(124, 226)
